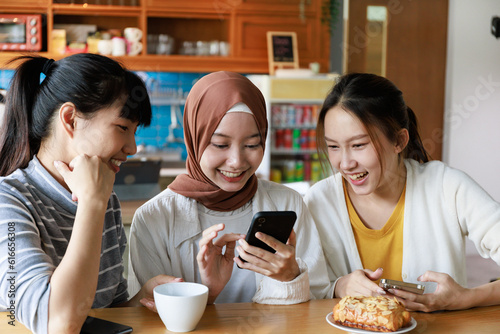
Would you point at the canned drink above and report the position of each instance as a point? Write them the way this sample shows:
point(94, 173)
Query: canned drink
point(276, 115)
point(307, 116)
point(291, 116)
point(312, 139)
point(287, 138)
point(296, 139)
point(298, 115)
point(314, 113)
point(279, 138)
point(304, 139)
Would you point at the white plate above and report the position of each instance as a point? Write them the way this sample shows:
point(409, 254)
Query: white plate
point(329, 319)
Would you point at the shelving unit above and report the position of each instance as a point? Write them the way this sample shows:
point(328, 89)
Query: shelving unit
point(242, 24)
point(293, 140)
point(293, 105)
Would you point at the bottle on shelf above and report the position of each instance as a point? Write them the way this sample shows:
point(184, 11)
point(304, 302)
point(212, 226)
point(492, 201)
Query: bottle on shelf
point(315, 168)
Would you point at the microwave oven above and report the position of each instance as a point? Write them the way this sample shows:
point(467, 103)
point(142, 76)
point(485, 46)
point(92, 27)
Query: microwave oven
point(20, 32)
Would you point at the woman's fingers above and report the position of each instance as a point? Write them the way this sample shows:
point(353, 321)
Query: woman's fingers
point(257, 252)
point(210, 234)
point(213, 228)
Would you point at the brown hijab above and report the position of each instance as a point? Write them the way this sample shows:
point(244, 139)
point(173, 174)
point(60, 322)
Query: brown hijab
point(207, 103)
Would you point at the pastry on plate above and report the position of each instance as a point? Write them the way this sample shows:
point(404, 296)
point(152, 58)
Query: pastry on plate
point(379, 314)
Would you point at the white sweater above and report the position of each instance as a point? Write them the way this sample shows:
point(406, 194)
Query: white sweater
point(443, 206)
point(165, 229)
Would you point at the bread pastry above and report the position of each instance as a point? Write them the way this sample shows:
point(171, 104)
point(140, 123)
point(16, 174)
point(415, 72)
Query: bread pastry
point(379, 314)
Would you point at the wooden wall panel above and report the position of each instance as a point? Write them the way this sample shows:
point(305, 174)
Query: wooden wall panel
point(416, 57)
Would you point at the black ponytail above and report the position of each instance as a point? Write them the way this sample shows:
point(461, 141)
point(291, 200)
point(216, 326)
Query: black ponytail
point(15, 145)
point(91, 82)
point(415, 148)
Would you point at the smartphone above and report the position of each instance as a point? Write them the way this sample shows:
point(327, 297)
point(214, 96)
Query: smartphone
point(277, 224)
point(410, 287)
point(100, 326)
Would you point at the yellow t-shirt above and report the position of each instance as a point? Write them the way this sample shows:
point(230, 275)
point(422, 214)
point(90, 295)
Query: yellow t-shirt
point(380, 248)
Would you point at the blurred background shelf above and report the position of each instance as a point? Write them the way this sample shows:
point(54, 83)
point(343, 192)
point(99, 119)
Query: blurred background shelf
point(240, 24)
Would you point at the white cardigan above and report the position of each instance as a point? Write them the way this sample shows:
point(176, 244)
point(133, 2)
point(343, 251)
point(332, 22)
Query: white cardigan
point(442, 206)
point(164, 230)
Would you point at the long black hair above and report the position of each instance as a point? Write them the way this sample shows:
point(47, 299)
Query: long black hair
point(378, 104)
point(90, 81)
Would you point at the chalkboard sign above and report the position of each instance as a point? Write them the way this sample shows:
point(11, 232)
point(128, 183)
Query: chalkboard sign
point(282, 50)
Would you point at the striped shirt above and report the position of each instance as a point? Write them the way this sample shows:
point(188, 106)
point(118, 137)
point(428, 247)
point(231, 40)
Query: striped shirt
point(36, 221)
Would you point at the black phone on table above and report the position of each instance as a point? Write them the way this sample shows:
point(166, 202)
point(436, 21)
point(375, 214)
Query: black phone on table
point(100, 326)
point(277, 224)
point(387, 284)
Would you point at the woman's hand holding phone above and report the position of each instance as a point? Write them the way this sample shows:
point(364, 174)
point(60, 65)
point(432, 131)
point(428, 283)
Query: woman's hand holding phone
point(449, 295)
point(281, 265)
point(216, 267)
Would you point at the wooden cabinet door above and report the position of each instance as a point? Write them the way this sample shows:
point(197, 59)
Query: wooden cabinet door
point(415, 57)
point(250, 37)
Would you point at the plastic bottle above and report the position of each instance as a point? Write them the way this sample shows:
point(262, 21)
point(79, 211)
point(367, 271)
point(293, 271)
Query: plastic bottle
point(315, 169)
point(307, 167)
point(299, 170)
point(289, 171)
point(276, 175)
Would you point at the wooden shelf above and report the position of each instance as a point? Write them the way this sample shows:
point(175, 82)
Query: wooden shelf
point(108, 10)
point(242, 24)
point(172, 63)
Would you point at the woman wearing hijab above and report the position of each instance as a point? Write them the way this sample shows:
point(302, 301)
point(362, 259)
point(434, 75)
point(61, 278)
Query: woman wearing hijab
point(195, 228)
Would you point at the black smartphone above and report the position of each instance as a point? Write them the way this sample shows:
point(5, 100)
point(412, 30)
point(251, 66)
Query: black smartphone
point(410, 287)
point(100, 326)
point(277, 224)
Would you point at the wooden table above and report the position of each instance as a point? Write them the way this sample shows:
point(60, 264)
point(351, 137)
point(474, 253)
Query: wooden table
point(301, 318)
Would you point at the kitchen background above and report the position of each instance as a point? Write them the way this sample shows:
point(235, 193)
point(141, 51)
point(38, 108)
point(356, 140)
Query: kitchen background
point(472, 104)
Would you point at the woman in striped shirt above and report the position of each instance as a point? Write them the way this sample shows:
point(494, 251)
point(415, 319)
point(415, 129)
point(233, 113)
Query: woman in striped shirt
point(61, 235)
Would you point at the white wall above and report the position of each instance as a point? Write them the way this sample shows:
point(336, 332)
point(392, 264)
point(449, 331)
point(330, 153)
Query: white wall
point(472, 105)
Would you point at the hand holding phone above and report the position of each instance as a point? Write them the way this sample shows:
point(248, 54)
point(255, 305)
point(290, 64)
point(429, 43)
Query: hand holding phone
point(277, 224)
point(387, 284)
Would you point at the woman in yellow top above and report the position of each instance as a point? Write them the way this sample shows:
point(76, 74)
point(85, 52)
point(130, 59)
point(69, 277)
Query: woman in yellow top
point(387, 212)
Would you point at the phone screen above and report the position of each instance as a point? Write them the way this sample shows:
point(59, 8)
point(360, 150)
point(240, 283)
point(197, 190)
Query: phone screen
point(100, 326)
point(278, 224)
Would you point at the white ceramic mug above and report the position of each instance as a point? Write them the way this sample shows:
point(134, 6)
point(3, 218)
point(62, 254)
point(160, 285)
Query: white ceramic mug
point(181, 304)
point(119, 46)
point(132, 34)
point(134, 48)
point(105, 47)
